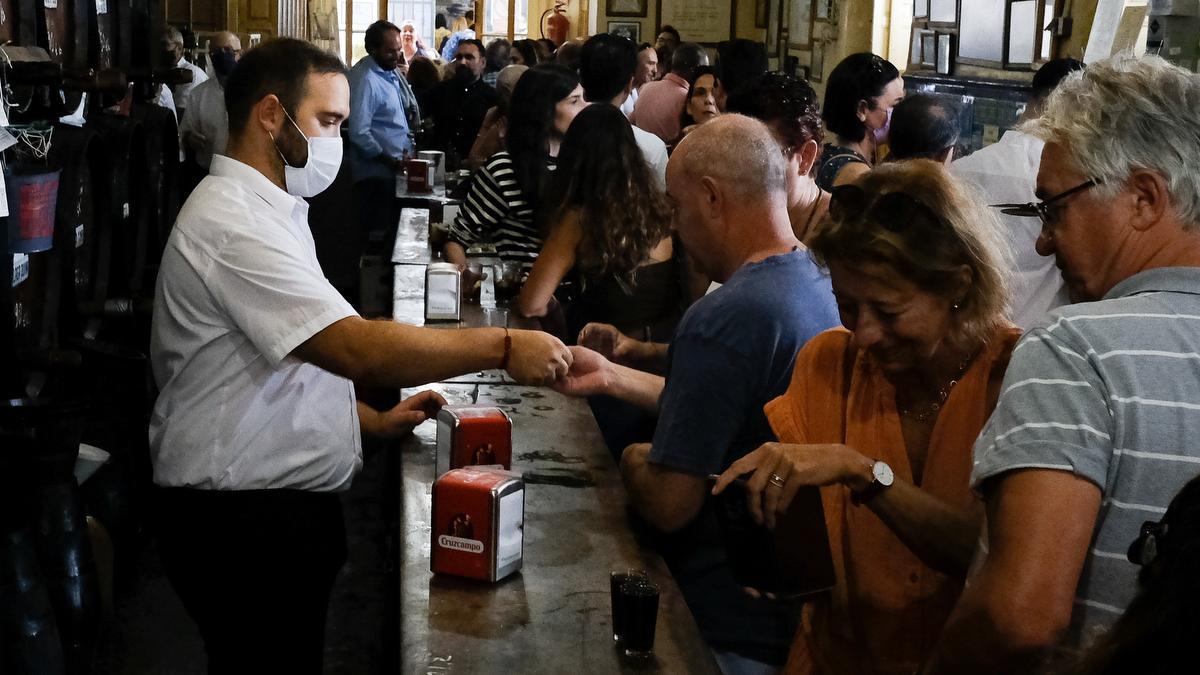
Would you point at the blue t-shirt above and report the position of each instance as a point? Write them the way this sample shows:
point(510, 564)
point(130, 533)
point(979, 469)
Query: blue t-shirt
point(733, 352)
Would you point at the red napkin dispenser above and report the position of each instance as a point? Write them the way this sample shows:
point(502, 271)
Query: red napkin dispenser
point(473, 436)
point(478, 523)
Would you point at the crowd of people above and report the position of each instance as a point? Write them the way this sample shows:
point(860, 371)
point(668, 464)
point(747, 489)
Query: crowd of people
point(984, 367)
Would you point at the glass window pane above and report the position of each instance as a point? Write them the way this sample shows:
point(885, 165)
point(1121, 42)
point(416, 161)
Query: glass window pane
point(1047, 36)
point(979, 37)
point(1021, 31)
point(365, 14)
point(944, 11)
point(521, 26)
point(356, 39)
point(496, 22)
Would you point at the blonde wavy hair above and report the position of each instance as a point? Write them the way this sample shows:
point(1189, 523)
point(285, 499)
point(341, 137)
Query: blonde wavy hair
point(927, 252)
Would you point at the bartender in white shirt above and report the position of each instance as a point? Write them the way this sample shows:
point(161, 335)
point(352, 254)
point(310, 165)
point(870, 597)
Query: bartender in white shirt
point(256, 427)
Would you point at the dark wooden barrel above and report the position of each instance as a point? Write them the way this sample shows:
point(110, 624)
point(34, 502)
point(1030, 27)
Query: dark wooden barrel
point(101, 33)
point(59, 527)
point(161, 180)
point(121, 20)
point(82, 235)
point(32, 643)
point(126, 146)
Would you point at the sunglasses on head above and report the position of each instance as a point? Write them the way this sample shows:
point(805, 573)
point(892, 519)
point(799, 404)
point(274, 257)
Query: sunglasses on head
point(895, 211)
point(1043, 209)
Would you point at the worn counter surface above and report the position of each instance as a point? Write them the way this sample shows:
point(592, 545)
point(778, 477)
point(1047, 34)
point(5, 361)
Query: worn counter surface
point(553, 616)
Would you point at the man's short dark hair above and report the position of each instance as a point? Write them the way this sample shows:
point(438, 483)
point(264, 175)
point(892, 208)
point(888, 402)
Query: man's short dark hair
point(687, 58)
point(644, 46)
point(740, 61)
point(376, 32)
point(1050, 74)
point(669, 29)
point(281, 67)
point(922, 127)
point(606, 65)
point(478, 45)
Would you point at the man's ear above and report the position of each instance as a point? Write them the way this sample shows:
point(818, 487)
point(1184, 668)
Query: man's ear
point(268, 113)
point(808, 154)
point(1151, 198)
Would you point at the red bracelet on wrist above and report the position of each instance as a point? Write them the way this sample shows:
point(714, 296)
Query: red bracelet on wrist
point(507, 350)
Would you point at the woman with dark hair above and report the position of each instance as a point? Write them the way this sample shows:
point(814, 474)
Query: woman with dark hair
point(859, 97)
point(546, 53)
point(788, 106)
point(700, 105)
point(608, 223)
point(504, 192)
point(1153, 636)
point(524, 53)
point(422, 76)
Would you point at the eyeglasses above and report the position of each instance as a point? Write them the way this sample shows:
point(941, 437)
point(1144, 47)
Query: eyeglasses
point(1144, 549)
point(1043, 208)
point(895, 211)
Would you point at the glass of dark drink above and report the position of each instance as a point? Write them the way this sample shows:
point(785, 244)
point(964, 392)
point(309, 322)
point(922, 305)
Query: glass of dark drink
point(639, 600)
point(616, 580)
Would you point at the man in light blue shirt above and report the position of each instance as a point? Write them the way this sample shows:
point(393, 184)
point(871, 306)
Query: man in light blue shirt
point(380, 136)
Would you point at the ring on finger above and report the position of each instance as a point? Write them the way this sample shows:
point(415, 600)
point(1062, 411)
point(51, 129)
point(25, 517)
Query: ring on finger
point(777, 480)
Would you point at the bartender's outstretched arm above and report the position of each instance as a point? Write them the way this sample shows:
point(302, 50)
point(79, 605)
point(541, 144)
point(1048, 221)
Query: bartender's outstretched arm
point(387, 353)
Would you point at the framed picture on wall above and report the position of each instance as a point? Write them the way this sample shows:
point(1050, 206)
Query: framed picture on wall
point(627, 29)
point(774, 26)
point(825, 10)
point(800, 24)
point(817, 68)
point(635, 8)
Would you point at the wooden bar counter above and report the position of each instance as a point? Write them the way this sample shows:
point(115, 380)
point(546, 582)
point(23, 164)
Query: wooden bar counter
point(554, 616)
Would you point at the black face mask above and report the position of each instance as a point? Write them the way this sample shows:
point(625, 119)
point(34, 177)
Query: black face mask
point(223, 62)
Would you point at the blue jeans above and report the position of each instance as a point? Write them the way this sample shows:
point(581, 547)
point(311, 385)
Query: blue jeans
point(732, 663)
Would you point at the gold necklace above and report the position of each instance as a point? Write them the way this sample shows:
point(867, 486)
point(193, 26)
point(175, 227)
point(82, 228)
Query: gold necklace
point(942, 395)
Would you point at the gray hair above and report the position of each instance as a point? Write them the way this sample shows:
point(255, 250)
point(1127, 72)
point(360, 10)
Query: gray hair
point(1127, 113)
point(738, 151)
point(173, 35)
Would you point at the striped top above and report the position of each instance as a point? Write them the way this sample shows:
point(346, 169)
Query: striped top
point(1110, 391)
point(496, 211)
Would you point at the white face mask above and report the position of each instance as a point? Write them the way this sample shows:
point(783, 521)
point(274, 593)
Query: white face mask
point(319, 172)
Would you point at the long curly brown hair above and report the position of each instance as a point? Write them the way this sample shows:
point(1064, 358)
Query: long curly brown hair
point(603, 177)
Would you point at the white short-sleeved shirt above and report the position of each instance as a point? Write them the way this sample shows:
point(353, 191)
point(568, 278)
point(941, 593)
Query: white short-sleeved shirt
point(1007, 172)
point(183, 91)
point(206, 119)
point(240, 288)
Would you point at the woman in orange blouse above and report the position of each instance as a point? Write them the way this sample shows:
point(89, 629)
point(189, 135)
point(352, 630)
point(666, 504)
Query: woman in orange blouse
point(883, 416)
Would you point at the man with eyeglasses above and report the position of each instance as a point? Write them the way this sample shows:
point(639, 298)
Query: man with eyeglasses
point(1006, 171)
point(1095, 426)
point(205, 131)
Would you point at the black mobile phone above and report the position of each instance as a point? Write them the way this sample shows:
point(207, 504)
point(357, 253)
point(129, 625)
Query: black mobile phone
point(791, 561)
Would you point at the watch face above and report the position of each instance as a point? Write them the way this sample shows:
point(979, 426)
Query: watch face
point(883, 474)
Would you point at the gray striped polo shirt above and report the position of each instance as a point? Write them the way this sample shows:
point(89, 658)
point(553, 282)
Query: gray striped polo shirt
point(1110, 391)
